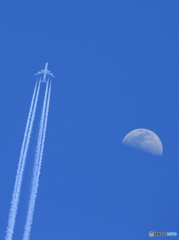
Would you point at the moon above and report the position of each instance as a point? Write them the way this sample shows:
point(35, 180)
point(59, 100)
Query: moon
point(145, 140)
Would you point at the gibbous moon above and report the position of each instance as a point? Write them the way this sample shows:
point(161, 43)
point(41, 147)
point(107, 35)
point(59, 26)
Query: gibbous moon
point(144, 140)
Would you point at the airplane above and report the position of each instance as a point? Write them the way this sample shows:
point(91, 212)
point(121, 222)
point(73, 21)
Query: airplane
point(45, 72)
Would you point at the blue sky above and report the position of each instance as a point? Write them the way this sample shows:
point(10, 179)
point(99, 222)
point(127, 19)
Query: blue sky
point(116, 69)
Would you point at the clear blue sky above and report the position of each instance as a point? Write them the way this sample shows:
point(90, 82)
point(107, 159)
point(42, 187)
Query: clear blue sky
point(116, 67)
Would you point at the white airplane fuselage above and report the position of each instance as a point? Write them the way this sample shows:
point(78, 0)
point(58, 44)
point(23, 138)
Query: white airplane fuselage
point(45, 72)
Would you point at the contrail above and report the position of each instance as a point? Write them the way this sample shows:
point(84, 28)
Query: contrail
point(21, 165)
point(38, 162)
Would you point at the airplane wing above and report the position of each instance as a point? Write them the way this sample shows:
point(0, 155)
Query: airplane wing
point(51, 74)
point(41, 72)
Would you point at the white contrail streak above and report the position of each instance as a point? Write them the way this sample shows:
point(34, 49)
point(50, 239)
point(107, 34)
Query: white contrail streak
point(21, 165)
point(38, 162)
